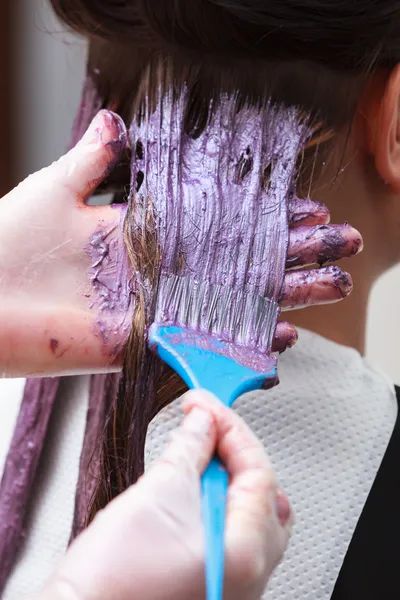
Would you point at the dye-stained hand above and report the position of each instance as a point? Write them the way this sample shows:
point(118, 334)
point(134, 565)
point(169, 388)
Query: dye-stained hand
point(313, 241)
point(46, 324)
point(148, 542)
point(65, 301)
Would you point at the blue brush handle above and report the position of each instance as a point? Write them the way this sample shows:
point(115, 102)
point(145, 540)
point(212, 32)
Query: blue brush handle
point(214, 370)
point(214, 488)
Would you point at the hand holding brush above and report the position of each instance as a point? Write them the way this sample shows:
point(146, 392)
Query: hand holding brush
point(155, 529)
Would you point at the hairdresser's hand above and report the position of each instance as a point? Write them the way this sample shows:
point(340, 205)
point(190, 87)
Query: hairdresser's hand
point(49, 309)
point(148, 543)
point(313, 241)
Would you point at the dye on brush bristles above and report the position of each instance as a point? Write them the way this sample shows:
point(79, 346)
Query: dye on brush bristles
point(218, 202)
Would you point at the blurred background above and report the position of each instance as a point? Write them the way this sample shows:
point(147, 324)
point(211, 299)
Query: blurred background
point(44, 66)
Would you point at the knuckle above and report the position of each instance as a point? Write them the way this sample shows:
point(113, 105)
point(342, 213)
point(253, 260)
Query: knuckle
point(62, 589)
point(248, 572)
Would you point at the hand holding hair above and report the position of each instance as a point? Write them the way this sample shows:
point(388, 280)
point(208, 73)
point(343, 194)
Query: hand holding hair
point(64, 290)
point(46, 324)
point(148, 542)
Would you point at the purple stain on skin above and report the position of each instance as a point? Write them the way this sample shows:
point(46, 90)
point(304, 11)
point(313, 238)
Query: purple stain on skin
point(316, 286)
point(304, 211)
point(220, 201)
point(110, 275)
point(54, 345)
point(322, 244)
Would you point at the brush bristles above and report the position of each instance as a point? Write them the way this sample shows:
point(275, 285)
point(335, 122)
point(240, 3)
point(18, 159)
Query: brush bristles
point(217, 205)
point(229, 315)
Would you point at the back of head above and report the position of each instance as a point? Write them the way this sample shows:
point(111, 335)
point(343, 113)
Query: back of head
point(312, 53)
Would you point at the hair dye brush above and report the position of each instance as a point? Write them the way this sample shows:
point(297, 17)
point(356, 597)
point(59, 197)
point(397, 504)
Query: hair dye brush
point(219, 202)
point(193, 341)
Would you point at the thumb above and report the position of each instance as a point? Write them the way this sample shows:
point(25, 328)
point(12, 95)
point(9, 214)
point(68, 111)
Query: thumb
point(190, 450)
point(83, 168)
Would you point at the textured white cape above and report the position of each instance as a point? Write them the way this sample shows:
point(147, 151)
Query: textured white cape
point(326, 428)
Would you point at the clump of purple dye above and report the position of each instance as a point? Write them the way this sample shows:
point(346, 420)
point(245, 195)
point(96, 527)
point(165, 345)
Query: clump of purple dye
point(111, 279)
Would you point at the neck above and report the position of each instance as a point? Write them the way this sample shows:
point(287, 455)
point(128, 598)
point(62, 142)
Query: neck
point(344, 322)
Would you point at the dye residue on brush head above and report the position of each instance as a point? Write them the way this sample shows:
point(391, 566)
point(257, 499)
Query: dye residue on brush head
point(220, 205)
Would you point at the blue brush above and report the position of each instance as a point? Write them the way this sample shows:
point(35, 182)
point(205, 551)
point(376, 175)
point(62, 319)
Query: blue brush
point(201, 330)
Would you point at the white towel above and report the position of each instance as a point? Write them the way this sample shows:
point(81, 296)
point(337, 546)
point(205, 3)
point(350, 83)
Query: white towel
point(326, 428)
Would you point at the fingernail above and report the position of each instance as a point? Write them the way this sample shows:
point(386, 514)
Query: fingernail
point(355, 242)
point(107, 128)
point(282, 507)
point(342, 281)
point(198, 421)
point(285, 337)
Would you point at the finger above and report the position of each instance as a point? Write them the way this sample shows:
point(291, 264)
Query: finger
point(258, 513)
point(258, 518)
point(322, 244)
point(303, 211)
point(92, 159)
point(285, 337)
point(258, 524)
point(192, 444)
point(237, 446)
point(317, 286)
